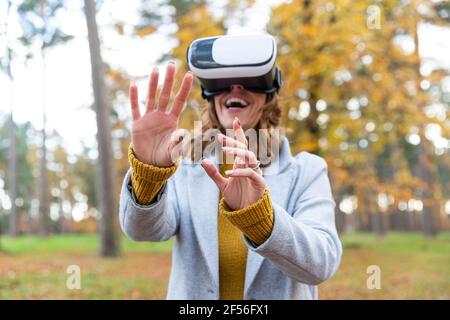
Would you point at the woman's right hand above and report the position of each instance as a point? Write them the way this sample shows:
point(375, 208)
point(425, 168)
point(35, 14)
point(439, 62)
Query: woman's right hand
point(152, 133)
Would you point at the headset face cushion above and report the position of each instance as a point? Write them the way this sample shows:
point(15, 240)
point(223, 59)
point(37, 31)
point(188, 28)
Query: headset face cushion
point(221, 61)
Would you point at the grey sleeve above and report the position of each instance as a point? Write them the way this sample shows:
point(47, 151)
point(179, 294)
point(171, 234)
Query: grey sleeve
point(304, 244)
point(155, 222)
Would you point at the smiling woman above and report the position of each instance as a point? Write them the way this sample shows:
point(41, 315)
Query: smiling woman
point(241, 228)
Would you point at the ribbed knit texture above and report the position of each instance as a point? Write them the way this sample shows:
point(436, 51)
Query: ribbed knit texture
point(255, 221)
point(232, 255)
point(146, 179)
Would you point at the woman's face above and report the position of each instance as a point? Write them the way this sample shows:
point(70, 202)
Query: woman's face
point(238, 102)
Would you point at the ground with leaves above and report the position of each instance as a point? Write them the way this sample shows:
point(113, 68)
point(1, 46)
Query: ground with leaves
point(30, 268)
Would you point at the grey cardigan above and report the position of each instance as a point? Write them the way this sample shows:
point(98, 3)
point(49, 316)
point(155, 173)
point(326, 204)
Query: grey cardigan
point(302, 251)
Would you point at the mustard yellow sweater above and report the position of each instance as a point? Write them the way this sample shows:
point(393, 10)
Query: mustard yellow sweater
point(255, 222)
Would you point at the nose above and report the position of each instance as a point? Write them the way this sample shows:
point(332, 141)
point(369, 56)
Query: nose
point(237, 87)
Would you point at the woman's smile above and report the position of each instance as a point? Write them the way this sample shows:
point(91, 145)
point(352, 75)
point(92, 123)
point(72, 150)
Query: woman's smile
point(241, 103)
point(235, 103)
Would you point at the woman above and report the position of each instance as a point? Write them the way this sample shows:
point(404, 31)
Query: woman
point(239, 234)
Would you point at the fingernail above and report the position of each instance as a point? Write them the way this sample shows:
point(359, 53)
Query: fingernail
point(238, 122)
point(228, 172)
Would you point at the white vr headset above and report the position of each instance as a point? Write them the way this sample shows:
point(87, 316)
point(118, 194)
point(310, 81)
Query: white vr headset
point(220, 61)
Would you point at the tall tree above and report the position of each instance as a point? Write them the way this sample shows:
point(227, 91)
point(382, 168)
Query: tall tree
point(38, 26)
point(109, 245)
point(5, 65)
point(24, 177)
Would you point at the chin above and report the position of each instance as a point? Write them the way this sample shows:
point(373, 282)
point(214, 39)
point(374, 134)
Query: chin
point(227, 117)
point(227, 122)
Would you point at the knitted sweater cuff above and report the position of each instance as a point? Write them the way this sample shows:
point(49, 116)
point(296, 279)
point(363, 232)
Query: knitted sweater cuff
point(146, 179)
point(255, 221)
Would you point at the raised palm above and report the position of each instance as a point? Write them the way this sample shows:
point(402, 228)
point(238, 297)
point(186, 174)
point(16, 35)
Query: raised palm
point(152, 132)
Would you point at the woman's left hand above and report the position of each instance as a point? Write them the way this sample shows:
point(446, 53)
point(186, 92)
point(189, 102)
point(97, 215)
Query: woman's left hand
point(245, 184)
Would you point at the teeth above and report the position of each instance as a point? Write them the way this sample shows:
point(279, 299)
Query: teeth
point(236, 100)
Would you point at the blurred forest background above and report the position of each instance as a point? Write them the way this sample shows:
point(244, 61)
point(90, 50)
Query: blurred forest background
point(360, 89)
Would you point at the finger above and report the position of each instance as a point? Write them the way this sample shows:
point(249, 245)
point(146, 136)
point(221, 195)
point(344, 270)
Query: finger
point(245, 173)
point(135, 113)
point(239, 132)
point(183, 92)
point(167, 86)
point(152, 88)
point(239, 163)
point(212, 172)
point(246, 155)
point(230, 142)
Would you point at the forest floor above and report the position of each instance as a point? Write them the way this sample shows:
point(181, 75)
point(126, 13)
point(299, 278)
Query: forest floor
point(412, 267)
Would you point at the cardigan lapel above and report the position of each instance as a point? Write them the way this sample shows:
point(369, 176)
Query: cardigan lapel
point(203, 197)
point(278, 180)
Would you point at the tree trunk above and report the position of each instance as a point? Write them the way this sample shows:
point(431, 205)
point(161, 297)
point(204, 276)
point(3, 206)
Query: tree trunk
point(375, 218)
point(377, 222)
point(109, 244)
point(426, 168)
point(12, 165)
point(340, 217)
point(43, 204)
point(427, 176)
point(340, 221)
point(12, 178)
point(43, 196)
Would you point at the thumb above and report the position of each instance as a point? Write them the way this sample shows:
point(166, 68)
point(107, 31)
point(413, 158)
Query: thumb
point(212, 172)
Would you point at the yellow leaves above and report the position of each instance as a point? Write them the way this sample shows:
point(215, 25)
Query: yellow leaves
point(145, 31)
point(309, 146)
point(114, 74)
point(307, 31)
point(197, 23)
